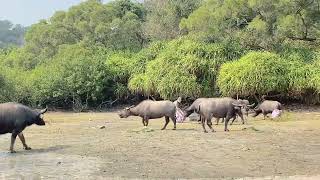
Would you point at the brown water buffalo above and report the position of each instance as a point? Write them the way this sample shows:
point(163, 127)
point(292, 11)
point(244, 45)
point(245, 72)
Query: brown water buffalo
point(149, 109)
point(14, 118)
point(215, 107)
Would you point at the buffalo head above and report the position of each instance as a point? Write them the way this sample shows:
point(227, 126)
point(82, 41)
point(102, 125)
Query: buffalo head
point(125, 112)
point(39, 120)
point(245, 105)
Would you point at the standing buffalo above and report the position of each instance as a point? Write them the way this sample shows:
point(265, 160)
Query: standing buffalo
point(246, 108)
point(267, 107)
point(215, 107)
point(148, 109)
point(195, 108)
point(14, 118)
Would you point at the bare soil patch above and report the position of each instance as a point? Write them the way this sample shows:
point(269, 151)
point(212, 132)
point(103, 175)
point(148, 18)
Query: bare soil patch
point(77, 146)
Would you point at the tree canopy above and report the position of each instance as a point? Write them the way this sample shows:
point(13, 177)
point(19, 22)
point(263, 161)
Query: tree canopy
point(98, 52)
point(10, 34)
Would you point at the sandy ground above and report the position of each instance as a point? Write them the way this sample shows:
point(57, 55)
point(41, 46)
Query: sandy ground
point(72, 146)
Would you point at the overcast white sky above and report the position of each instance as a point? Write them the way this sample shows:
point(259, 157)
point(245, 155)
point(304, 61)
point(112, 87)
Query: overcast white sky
point(27, 12)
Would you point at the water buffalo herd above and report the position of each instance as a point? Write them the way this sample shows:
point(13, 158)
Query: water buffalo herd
point(207, 108)
point(15, 117)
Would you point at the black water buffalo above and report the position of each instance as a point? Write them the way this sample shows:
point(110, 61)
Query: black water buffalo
point(14, 118)
point(266, 107)
point(149, 109)
point(215, 107)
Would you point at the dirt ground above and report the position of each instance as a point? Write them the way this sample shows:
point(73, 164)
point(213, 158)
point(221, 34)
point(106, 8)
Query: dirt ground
point(103, 146)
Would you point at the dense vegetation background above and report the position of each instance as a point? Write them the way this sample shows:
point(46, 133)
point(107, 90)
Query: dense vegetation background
point(125, 50)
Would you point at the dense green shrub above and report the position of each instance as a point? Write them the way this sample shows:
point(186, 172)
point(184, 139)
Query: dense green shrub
point(122, 66)
point(14, 86)
point(298, 77)
point(314, 70)
point(182, 68)
point(254, 73)
point(76, 75)
point(291, 75)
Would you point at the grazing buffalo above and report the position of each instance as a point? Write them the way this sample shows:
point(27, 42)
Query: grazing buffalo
point(215, 107)
point(267, 107)
point(14, 118)
point(148, 109)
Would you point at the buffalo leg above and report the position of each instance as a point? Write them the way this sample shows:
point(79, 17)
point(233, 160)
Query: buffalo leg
point(234, 118)
point(143, 122)
point(203, 125)
point(174, 120)
point(217, 121)
point(13, 139)
point(242, 119)
point(167, 121)
point(146, 121)
point(222, 120)
point(226, 123)
point(209, 123)
point(21, 137)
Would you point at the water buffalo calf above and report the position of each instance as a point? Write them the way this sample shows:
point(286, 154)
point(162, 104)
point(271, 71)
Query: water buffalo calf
point(14, 118)
point(267, 107)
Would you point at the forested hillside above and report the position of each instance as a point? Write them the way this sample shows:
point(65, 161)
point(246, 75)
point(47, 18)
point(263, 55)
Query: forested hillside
point(124, 49)
point(10, 34)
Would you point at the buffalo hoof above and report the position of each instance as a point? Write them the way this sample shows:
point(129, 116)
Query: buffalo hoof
point(27, 148)
point(12, 151)
point(174, 128)
point(205, 131)
point(227, 130)
point(213, 131)
point(163, 128)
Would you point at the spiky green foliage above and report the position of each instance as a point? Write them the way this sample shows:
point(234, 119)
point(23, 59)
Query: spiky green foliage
point(184, 67)
point(256, 72)
point(314, 71)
